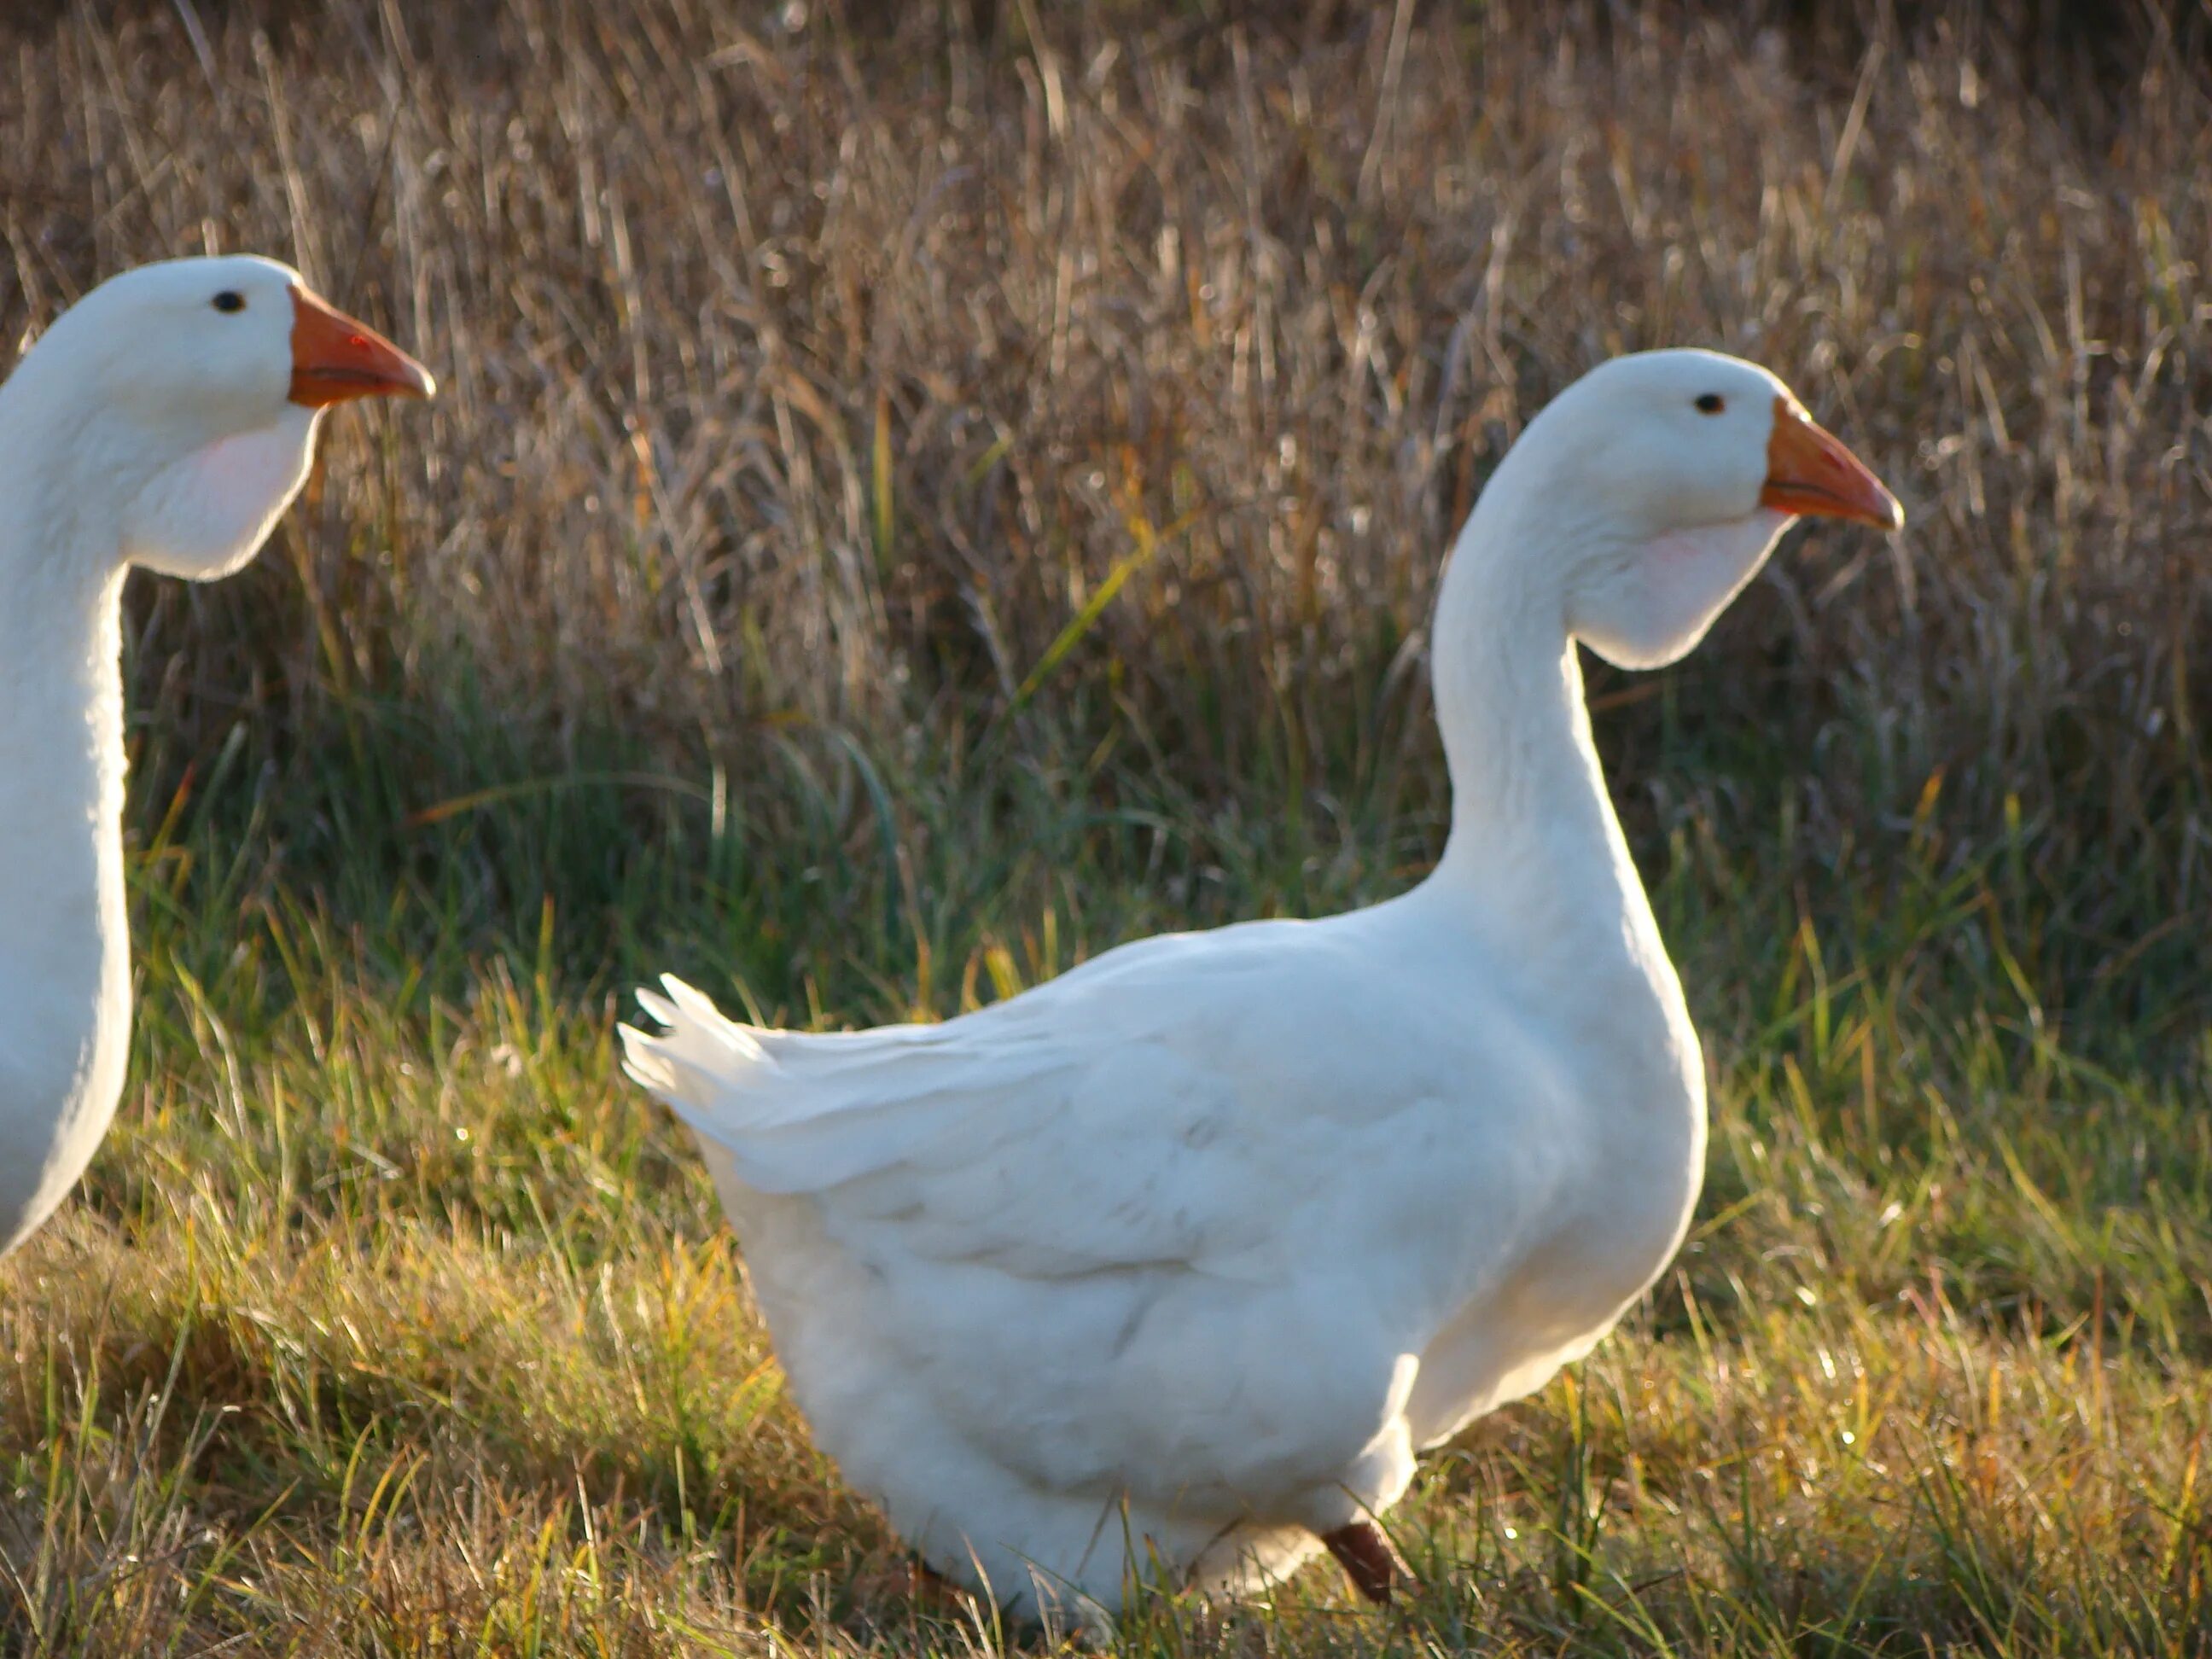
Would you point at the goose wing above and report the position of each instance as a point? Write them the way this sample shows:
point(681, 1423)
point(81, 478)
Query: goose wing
point(1166, 1105)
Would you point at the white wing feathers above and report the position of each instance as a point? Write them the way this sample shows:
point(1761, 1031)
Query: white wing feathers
point(802, 1112)
point(1100, 1124)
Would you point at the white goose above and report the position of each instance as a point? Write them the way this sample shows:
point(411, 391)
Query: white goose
point(165, 420)
point(1178, 1259)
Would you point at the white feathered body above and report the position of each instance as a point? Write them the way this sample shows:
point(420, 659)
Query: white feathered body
point(1179, 1257)
point(1176, 1261)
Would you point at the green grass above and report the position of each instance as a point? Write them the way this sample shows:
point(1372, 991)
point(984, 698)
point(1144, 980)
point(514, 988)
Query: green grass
point(910, 511)
point(392, 1321)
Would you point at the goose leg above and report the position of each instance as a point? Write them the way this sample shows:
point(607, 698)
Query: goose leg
point(912, 1582)
point(1368, 1559)
point(932, 1589)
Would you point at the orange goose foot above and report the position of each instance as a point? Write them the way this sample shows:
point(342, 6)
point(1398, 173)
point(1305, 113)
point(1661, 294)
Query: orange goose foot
point(1374, 1567)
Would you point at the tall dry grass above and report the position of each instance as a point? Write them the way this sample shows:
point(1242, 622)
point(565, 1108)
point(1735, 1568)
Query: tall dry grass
point(1127, 369)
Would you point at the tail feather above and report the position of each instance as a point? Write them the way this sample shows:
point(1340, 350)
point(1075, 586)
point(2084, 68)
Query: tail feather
point(699, 1066)
point(802, 1112)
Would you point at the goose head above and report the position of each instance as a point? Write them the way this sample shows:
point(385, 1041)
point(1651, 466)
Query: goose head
point(1664, 479)
point(176, 406)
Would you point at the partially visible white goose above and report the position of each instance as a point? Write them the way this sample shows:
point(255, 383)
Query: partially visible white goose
point(165, 420)
point(1180, 1257)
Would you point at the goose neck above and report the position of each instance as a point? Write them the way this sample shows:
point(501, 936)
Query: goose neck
point(1532, 823)
point(61, 724)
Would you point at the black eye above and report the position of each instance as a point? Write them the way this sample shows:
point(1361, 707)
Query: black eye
point(1711, 404)
point(230, 300)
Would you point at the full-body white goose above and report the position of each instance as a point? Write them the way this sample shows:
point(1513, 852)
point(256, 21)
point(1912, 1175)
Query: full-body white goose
point(1180, 1257)
point(165, 420)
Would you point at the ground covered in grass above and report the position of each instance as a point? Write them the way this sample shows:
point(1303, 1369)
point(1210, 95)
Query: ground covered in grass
point(921, 498)
point(392, 1322)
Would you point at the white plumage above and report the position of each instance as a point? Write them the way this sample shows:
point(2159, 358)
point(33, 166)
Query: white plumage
point(1178, 1259)
point(164, 421)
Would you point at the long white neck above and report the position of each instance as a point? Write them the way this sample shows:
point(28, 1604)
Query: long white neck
point(1536, 866)
point(113, 452)
point(1532, 833)
point(64, 967)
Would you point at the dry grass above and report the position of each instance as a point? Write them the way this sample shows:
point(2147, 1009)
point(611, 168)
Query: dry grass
point(829, 376)
point(910, 509)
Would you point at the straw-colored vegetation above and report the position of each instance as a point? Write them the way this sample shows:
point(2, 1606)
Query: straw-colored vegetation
point(911, 505)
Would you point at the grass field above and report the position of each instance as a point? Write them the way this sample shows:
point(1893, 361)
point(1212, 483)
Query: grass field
point(914, 505)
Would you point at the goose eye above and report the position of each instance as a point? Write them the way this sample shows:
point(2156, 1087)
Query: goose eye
point(230, 300)
point(1711, 404)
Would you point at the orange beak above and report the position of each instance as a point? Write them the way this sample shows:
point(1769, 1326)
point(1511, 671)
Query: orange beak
point(335, 358)
point(1809, 473)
